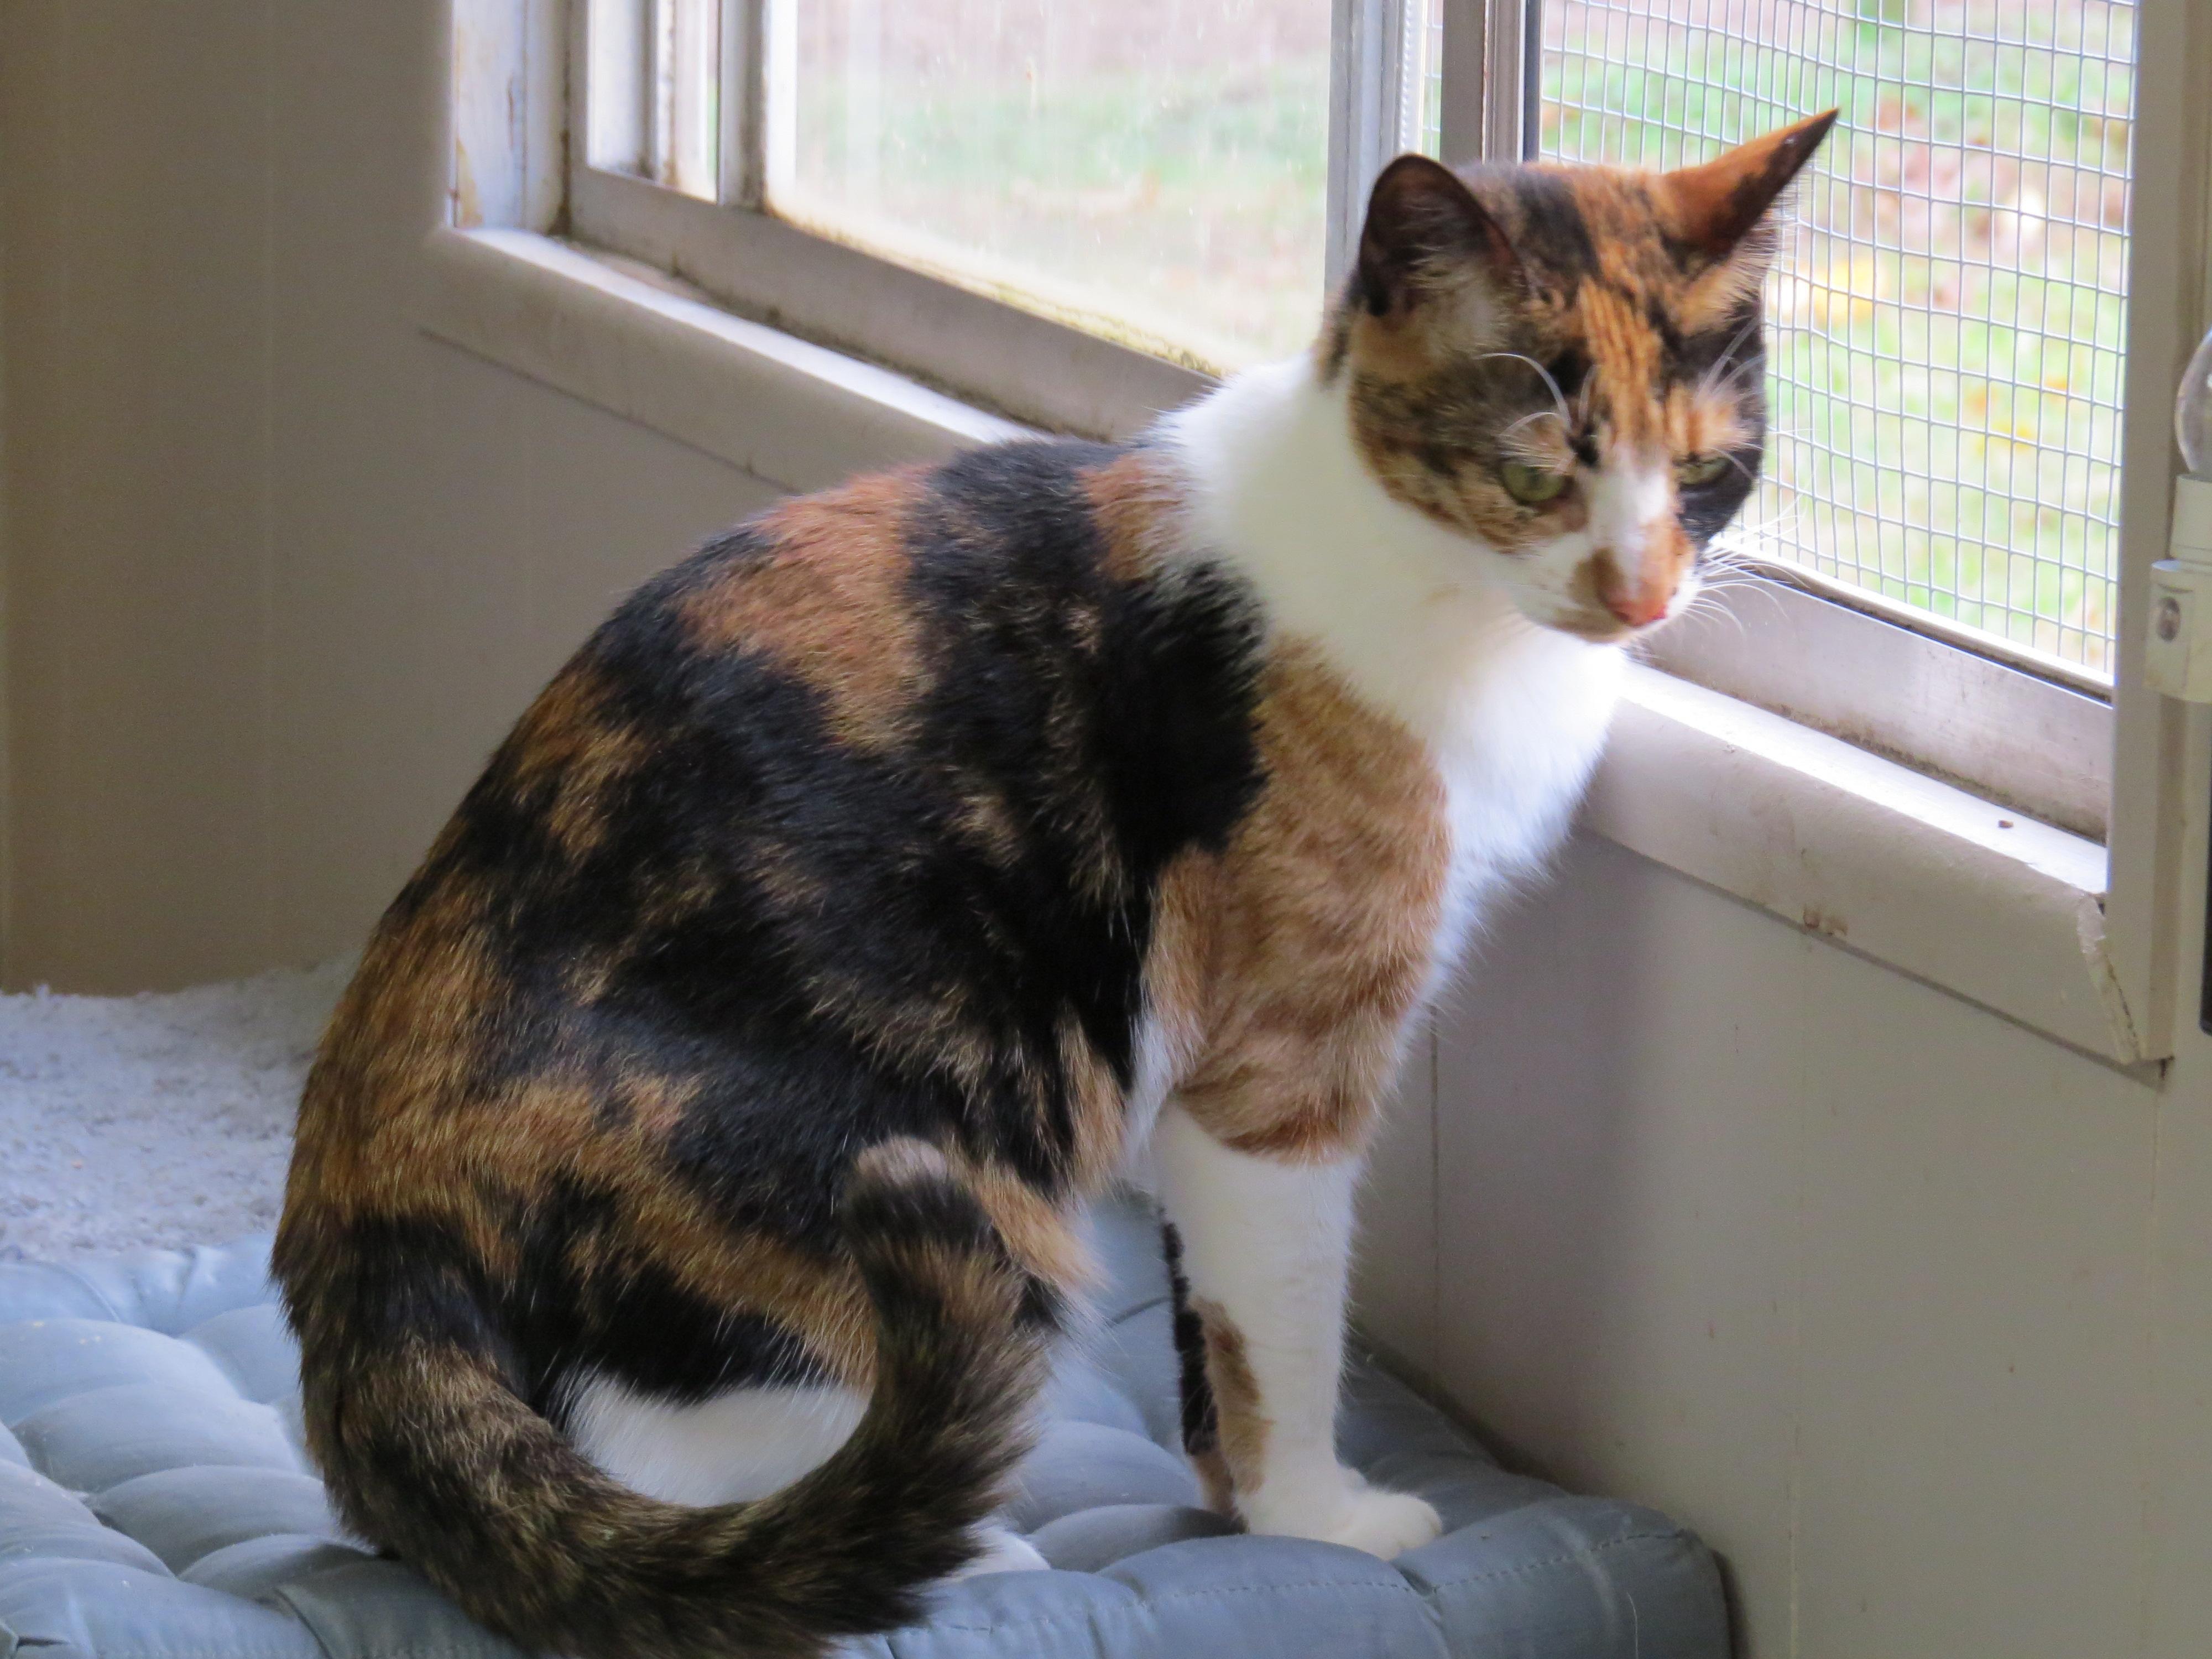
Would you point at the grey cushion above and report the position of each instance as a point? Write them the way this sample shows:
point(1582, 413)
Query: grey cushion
point(154, 1504)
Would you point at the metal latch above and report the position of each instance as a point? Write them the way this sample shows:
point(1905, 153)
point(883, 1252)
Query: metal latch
point(2177, 656)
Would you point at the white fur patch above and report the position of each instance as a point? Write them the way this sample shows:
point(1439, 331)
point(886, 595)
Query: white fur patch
point(1627, 501)
point(1163, 1049)
point(736, 1446)
point(1002, 1550)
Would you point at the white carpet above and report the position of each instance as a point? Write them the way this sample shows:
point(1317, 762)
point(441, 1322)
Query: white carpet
point(152, 1120)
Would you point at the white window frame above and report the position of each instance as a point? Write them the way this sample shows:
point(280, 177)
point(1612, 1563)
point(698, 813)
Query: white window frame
point(2022, 732)
point(1012, 359)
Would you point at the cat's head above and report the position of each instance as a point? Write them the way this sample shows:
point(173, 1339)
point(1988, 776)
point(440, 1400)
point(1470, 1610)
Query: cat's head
point(1565, 365)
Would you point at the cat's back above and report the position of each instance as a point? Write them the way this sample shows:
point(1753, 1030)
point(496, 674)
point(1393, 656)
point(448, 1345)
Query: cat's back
point(853, 605)
point(992, 650)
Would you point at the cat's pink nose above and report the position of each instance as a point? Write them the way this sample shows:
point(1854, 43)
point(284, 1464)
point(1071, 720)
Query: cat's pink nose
point(1644, 607)
point(1644, 604)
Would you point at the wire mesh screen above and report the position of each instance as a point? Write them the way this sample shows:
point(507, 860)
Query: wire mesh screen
point(1949, 308)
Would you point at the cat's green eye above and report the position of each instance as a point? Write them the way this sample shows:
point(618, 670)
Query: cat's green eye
point(1533, 484)
point(1700, 469)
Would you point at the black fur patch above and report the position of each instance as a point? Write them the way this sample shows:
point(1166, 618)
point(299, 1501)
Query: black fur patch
point(1201, 1425)
point(1734, 352)
point(1548, 230)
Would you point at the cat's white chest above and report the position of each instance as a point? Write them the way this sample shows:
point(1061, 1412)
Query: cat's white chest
point(1515, 759)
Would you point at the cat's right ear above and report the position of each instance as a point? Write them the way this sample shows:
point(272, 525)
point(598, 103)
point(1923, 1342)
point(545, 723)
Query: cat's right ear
point(1424, 230)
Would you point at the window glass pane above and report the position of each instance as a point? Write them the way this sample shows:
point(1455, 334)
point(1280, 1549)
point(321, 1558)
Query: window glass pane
point(687, 102)
point(655, 68)
point(1153, 169)
point(1950, 308)
point(1426, 25)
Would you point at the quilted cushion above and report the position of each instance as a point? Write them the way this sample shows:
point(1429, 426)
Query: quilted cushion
point(154, 1504)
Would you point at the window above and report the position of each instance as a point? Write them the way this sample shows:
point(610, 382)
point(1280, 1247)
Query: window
point(1173, 177)
point(1076, 212)
point(1156, 170)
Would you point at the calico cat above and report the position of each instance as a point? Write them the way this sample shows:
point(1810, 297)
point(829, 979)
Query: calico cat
point(689, 1190)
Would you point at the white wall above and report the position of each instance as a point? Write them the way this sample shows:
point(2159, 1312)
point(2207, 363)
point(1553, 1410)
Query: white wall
point(1907, 1308)
point(280, 568)
point(1903, 1306)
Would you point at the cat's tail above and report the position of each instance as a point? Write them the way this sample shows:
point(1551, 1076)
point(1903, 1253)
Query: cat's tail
point(431, 1452)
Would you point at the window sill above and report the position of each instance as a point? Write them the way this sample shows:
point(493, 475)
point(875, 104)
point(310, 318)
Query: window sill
point(1979, 901)
point(1974, 897)
point(631, 340)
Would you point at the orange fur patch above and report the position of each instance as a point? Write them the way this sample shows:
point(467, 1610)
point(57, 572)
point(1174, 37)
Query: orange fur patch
point(1035, 1232)
point(1304, 946)
point(828, 602)
point(1133, 502)
point(565, 741)
point(1624, 363)
point(1238, 1458)
point(1704, 420)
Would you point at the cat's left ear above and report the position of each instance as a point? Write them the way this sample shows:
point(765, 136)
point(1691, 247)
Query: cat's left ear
point(1424, 229)
point(1719, 205)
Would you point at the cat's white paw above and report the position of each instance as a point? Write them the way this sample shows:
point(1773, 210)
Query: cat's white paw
point(1359, 1516)
point(1385, 1523)
point(1003, 1551)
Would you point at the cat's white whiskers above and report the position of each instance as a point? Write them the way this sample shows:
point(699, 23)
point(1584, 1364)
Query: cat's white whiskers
point(1725, 369)
point(1539, 415)
point(1706, 604)
point(1745, 582)
point(1558, 396)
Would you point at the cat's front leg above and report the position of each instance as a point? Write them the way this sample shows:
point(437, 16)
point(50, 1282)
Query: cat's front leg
point(1265, 1245)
